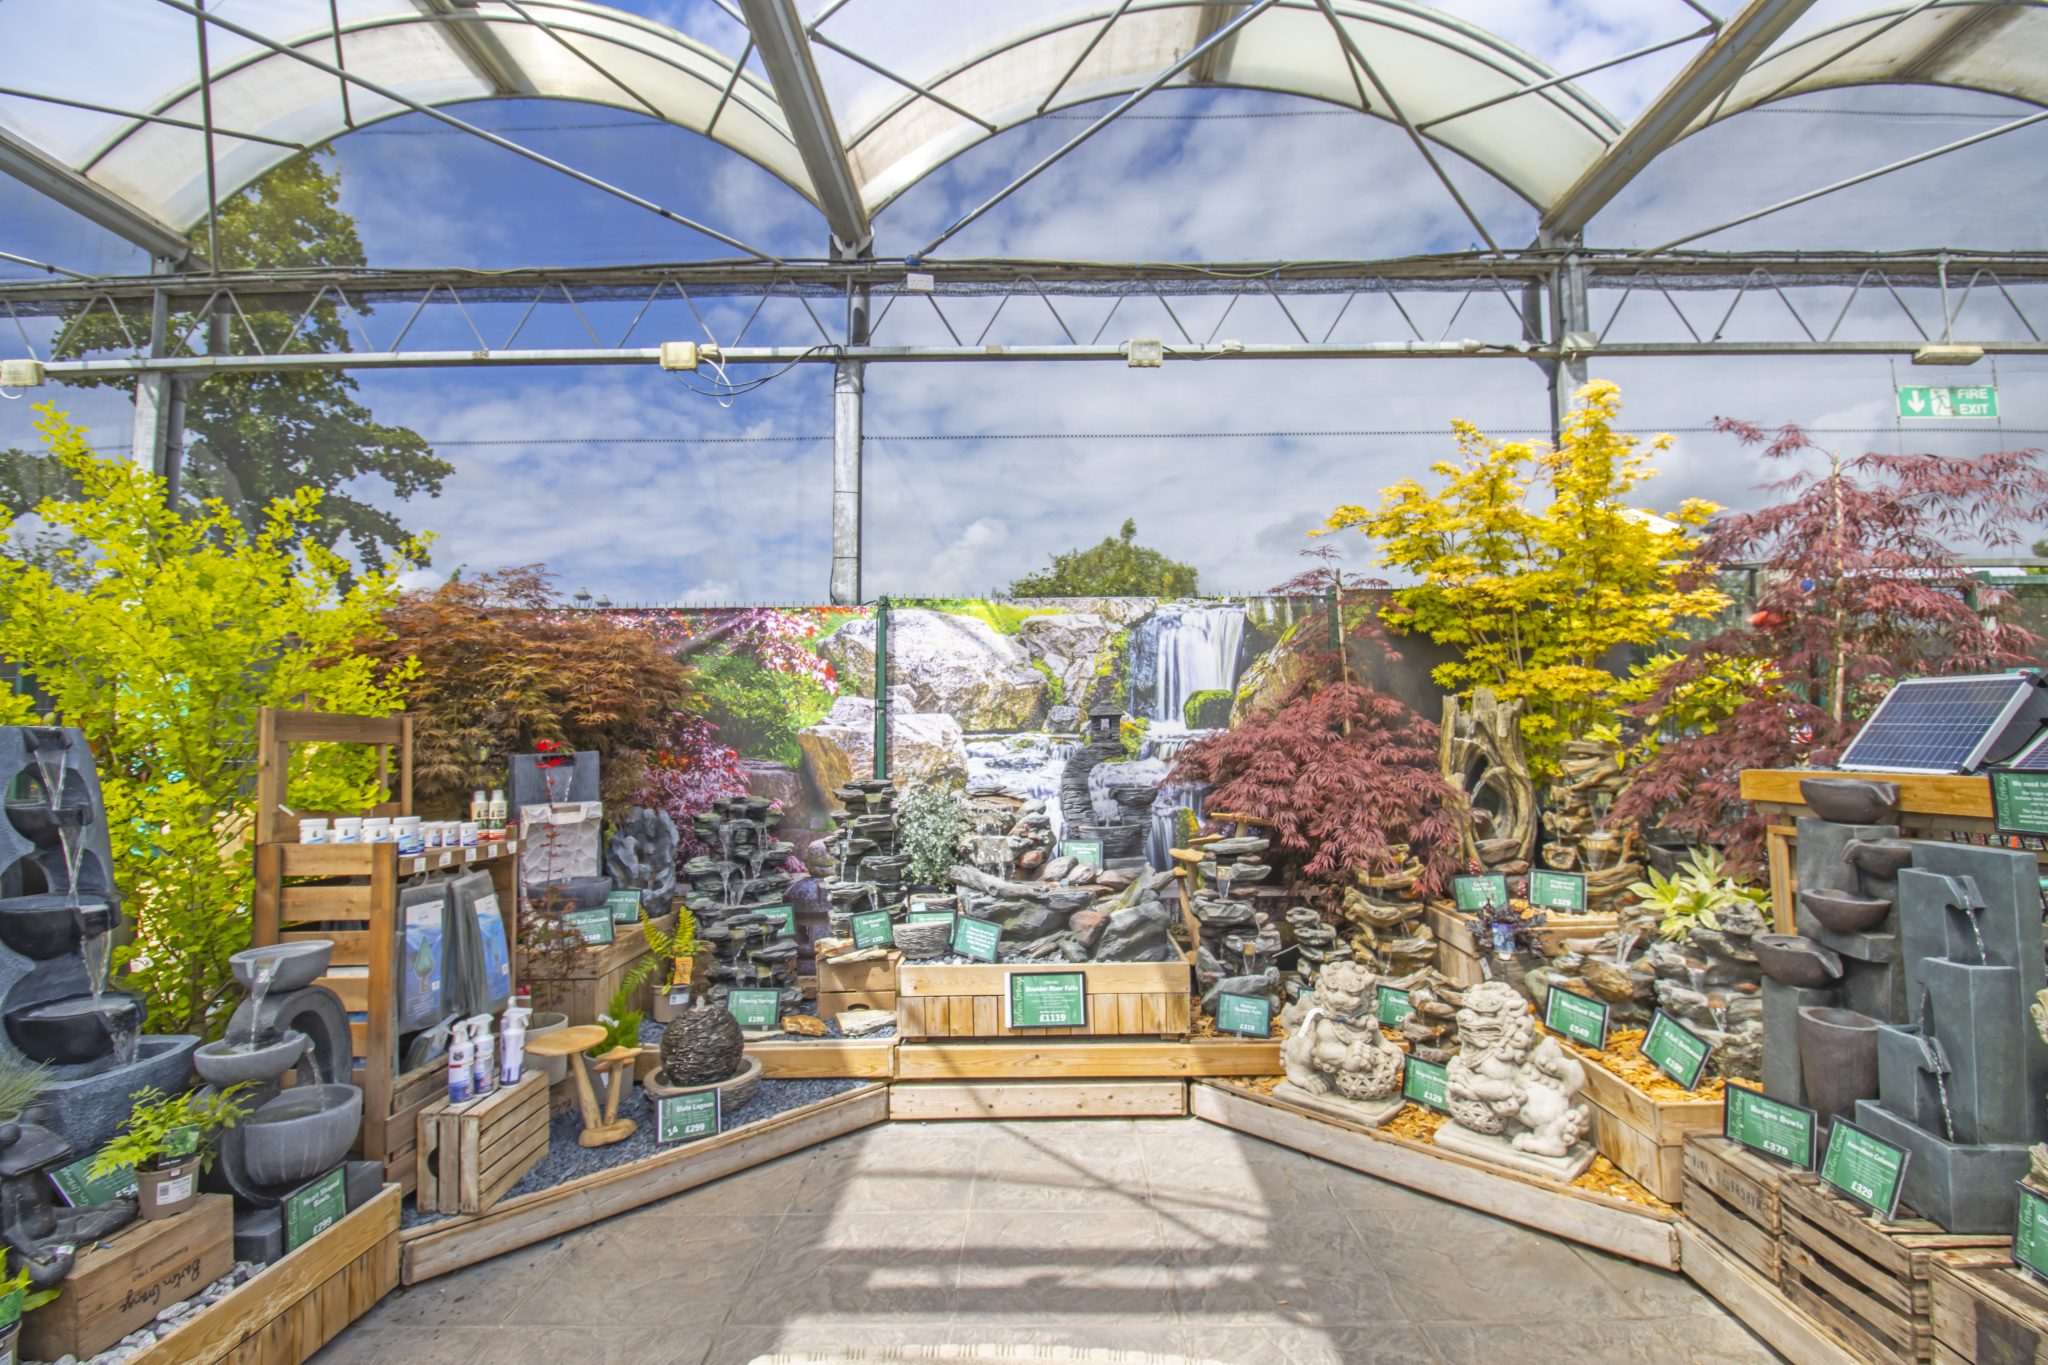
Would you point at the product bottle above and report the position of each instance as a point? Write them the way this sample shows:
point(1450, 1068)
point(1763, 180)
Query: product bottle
point(498, 811)
point(461, 1057)
point(479, 808)
point(483, 1069)
point(512, 1044)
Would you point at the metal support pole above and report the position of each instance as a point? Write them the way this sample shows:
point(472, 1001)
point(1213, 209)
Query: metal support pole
point(1569, 374)
point(153, 390)
point(849, 386)
point(882, 688)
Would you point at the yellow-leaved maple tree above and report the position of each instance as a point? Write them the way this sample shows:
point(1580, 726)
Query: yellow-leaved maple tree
point(1531, 562)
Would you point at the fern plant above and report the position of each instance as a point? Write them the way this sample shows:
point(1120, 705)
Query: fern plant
point(620, 1020)
point(1698, 894)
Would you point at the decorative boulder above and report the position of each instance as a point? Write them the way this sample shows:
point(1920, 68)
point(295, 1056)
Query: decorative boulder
point(841, 747)
point(954, 665)
point(702, 1046)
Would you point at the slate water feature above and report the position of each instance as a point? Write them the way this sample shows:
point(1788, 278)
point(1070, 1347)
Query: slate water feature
point(58, 913)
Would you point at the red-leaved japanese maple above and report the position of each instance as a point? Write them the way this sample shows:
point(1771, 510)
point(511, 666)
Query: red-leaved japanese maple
point(1858, 586)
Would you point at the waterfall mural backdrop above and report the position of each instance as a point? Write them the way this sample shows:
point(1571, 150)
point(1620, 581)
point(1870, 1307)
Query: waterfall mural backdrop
point(1076, 706)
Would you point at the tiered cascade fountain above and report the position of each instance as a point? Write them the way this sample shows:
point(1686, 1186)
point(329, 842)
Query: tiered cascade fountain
point(289, 1135)
point(1960, 1078)
point(58, 913)
point(1581, 837)
point(732, 890)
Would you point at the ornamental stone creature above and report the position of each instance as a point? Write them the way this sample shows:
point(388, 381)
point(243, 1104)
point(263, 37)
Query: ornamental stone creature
point(1513, 1094)
point(1337, 1059)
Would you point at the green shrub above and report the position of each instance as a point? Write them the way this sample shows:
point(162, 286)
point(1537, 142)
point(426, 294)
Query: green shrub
point(758, 711)
point(1207, 710)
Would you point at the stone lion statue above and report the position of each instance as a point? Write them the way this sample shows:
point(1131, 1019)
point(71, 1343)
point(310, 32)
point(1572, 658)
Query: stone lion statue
point(1505, 1082)
point(1337, 1049)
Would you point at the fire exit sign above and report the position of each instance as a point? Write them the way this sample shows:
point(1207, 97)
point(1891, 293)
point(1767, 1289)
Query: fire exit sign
point(1978, 401)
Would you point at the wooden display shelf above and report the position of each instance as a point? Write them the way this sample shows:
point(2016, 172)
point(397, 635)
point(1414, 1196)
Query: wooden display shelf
point(1759, 1304)
point(1645, 1136)
point(1994, 1312)
point(1731, 1194)
point(966, 1001)
point(348, 893)
point(296, 1305)
point(1070, 1099)
point(1865, 1280)
point(432, 1249)
point(1087, 1059)
point(1612, 1225)
point(868, 1059)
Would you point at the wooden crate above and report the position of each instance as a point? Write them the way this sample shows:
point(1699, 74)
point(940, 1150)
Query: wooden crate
point(1070, 1099)
point(1731, 1195)
point(469, 1157)
point(967, 1001)
point(1987, 1312)
point(1458, 954)
point(304, 890)
point(1643, 1135)
point(1086, 1058)
point(293, 1307)
point(125, 1281)
point(875, 974)
point(838, 1002)
point(1865, 1280)
point(583, 986)
point(1760, 1305)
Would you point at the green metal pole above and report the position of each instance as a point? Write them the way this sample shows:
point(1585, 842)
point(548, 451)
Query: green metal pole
point(882, 687)
point(1336, 621)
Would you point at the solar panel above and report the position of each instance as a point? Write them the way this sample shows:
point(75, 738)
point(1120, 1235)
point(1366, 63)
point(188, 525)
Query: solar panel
point(1948, 725)
point(2033, 758)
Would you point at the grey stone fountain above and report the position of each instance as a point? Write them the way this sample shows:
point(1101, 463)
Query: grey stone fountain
point(58, 913)
point(1959, 1078)
point(290, 1135)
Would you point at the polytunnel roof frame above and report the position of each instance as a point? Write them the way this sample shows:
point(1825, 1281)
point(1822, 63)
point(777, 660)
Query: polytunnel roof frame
point(258, 86)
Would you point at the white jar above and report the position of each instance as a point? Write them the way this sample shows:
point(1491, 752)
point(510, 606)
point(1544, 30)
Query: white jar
point(470, 832)
point(377, 829)
point(312, 831)
point(406, 830)
point(348, 829)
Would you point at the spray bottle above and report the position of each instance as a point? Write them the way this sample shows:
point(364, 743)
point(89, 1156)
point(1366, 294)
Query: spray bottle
point(512, 1044)
point(484, 1064)
point(461, 1057)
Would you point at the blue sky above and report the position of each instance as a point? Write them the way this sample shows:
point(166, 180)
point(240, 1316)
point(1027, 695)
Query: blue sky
point(582, 468)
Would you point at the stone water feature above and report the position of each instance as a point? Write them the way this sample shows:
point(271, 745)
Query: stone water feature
point(288, 1135)
point(58, 914)
point(641, 856)
point(732, 889)
point(1960, 1077)
point(1575, 818)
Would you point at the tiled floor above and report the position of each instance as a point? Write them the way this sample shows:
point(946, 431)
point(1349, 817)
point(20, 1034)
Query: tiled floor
point(1167, 1235)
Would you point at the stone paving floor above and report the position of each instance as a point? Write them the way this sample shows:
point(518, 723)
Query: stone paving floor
point(1167, 1235)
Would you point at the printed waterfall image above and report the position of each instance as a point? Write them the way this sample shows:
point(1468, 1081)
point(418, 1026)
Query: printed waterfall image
point(1062, 717)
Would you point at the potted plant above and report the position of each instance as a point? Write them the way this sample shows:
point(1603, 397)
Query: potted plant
point(17, 1298)
point(680, 948)
point(165, 1141)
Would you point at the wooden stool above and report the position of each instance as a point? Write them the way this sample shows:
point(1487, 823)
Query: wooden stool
point(601, 1127)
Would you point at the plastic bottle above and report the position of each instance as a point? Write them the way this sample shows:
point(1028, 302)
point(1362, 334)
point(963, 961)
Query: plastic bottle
point(498, 812)
point(512, 1044)
point(461, 1060)
point(483, 1067)
point(479, 808)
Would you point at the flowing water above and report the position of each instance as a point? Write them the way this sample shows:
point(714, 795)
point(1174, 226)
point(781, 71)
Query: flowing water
point(1193, 648)
point(259, 986)
point(1977, 930)
point(1628, 945)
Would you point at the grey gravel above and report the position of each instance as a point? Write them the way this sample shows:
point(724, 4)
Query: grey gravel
point(567, 1161)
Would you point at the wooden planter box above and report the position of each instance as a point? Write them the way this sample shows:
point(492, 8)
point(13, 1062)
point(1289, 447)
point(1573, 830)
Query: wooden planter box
point(1086, 1058)
point(1731, 1194)
point(584, 990)
point(1458, 953)
point(1987, 1313)
point(967, 1001)
point(297, 1305)
point(125, 1281)
point(1645, 1136)
point(469, 1157)
point(1868, 1282)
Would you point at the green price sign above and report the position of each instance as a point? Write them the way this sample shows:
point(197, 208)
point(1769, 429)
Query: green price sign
point(1046, 1000)
point(1248, 1016)
point(928, 917)
point(314, 1208)
point(685, 1118)
point(1392, 1005)
point(1428, 1084)
point(2019, 802)
point(624, 905)
point(10, 1313)
point(785, 915)
point(1086, 852)
point(757, 1011)
point(872, 929)
point(1575, 1016)
point(1866, 1168)
point(595, 927)
point(2030, 1240)
point(1676, 1050)
point(976, 938)
point(1476, 892)
point(1788, 1132)
point(1557, 891)
point(76, 1185)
